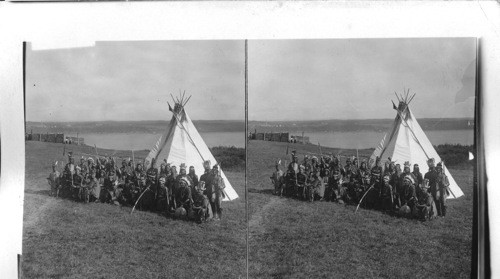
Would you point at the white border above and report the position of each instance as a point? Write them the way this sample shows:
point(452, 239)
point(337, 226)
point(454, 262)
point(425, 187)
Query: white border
point(77, 24)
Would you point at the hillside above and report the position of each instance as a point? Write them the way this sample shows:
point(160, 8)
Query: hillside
point(67, 239)
point(298, 239)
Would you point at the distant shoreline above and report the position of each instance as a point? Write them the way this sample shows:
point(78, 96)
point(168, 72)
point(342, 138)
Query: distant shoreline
point(150, 127)
point(376, 125)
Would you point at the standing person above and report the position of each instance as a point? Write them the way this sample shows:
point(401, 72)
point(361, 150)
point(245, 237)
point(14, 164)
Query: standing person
point(335, 192)
point(77, 183)
point(386, 197)
point(83, 167)
point(152, 177)
point(218, 187)
point(376, 171)
point(277, 180)
point(442, 191)
point(163, 170)
point(163, 197)
point(194, 178)
point(301, 182)
point(430, 179)
point(208, 179)
point(54, 180)
point(94, 186)
point(294, 165)
point(419, 179)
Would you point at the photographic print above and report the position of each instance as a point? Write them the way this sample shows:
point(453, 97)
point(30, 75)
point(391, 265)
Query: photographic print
point(358, 160)
point(135, 160)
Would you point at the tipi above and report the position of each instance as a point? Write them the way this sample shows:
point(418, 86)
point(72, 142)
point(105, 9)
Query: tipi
point(183, 144)
point(406, 141)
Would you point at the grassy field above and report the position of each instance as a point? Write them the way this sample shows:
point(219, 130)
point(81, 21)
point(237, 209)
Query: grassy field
point(66, 239)
point(296, 239)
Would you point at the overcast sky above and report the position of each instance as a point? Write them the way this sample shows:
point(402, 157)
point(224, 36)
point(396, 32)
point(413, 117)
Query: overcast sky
point(133, 81)
point(357, 78)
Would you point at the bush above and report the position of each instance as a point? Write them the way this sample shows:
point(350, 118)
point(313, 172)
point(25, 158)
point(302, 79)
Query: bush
point(455, 154)
point(230, 158)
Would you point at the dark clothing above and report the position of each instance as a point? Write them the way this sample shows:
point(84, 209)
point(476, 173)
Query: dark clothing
point(194, 179)
point(386, 197)
point(208, 178)
point(376, 173)
point(201, 207)
point(152, 175)
point(183, 198)
point(408, 196)
point(423, 208)
point(442, 187)
point(432, 176)
point(418, 178)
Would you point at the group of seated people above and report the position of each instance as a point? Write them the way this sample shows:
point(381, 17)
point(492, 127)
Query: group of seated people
point(387, 188)
point(181, 195)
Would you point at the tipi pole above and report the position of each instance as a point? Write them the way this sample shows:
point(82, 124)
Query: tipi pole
point(413, 133)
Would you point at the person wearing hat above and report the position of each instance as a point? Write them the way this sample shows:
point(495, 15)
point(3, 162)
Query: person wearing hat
point(277, 179)
point(54, 180)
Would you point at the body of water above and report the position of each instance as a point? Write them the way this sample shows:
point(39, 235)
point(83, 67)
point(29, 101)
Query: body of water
point(370, 139)
point(140, 141)
point(348, 140)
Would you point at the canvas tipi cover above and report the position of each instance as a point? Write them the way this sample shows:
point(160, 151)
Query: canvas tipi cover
point(408, 142)
point(183, 144)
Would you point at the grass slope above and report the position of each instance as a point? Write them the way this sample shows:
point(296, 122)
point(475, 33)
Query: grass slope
point(296, 239)
point(66, 239)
